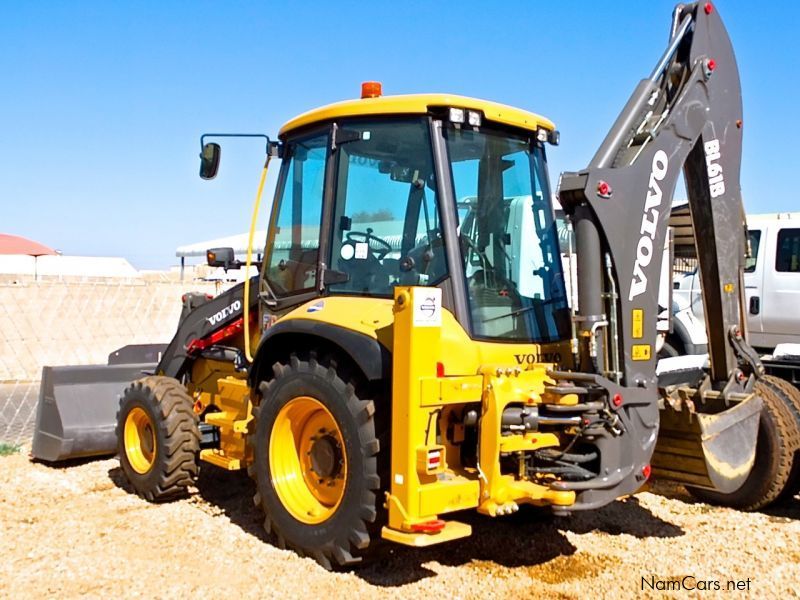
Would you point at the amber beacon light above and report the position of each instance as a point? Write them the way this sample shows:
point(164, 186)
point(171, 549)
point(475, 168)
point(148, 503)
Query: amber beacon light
point(371, 89)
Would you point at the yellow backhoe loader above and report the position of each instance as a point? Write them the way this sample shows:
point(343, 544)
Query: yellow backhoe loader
point(409, 351)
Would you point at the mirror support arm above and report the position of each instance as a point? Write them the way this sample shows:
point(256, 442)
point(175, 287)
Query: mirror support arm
point(272, 148)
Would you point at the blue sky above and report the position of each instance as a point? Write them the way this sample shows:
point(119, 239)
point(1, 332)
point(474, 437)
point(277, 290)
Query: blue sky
point(103, 103)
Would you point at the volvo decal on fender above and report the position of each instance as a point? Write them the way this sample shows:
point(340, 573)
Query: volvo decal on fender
point(532, 358)
point(644, 249)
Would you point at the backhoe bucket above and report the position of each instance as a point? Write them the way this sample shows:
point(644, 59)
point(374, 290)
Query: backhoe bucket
point(77, 411)
point(713, 451)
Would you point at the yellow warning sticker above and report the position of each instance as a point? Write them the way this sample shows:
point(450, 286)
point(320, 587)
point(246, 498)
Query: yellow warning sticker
point(640, 352)
point(637, 318)
point(728, 288)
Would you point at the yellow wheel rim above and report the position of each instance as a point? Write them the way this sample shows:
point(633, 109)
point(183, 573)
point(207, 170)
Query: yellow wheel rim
point(307, 460)
point(140, 440)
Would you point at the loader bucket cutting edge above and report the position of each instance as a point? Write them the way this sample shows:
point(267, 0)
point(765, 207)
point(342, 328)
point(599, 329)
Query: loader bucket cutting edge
point(713, 451)
point(77, 410)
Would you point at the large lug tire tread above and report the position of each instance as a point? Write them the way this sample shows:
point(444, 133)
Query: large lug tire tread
point(339, 541)
point(778, 440)
point(170, 408)
point(791, 398)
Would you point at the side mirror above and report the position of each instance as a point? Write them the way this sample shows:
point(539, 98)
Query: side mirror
point(221, 257)
point(209, 160)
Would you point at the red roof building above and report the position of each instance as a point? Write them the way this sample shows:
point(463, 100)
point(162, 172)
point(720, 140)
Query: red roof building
point(14, 244)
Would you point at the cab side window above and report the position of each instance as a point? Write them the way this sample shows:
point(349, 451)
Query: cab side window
point(293, 250)
point(787, 258)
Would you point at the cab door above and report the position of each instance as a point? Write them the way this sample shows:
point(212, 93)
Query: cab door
point(292, 254)
point(753, 276)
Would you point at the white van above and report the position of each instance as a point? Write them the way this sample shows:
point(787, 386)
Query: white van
point(772, 283)
point(772, 280)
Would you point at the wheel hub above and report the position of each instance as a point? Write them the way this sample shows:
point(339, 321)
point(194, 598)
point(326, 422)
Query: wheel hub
point(148, 440)
point(140, 440)
point(326, 457)
point(308, 460)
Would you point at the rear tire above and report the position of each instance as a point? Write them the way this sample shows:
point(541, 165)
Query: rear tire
point(158, 438)
point(791, 397)
point(775, 447)
point(315, 462)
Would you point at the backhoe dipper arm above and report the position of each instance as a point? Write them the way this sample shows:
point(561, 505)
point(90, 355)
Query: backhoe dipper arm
point(686, 114)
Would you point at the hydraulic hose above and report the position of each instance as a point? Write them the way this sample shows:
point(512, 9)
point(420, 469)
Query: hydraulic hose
point(249, 260)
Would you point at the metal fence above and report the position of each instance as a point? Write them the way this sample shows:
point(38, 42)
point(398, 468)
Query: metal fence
point(81, 323)
point(74, 323)
point(683, 265)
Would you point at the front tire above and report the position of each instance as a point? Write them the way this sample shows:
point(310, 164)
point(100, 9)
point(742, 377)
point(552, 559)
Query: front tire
point(158, 439)
point(315, 462)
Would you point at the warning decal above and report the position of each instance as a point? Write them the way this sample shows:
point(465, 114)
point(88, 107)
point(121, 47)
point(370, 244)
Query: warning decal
point(428, 307)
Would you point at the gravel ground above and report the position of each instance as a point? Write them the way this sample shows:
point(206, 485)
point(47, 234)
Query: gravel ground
point(80, 531)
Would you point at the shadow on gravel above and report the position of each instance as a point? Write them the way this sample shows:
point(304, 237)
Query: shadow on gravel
point(671, 490)
point(116, 475)
point(232, 492)
point(67, 464)
point(527, 538)
point(785, 512)
point(621, 517)
point(531, 538)
point(229, 492)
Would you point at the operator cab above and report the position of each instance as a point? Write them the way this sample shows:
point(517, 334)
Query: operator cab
point(424, 190)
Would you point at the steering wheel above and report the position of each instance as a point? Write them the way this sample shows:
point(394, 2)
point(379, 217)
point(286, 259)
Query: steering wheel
point(367, 236)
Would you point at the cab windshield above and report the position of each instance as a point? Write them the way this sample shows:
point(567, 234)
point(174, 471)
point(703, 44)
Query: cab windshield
point(508, 237)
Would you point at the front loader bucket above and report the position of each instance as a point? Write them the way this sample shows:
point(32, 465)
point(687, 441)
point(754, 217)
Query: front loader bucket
point(77, 411)
point(713, 451)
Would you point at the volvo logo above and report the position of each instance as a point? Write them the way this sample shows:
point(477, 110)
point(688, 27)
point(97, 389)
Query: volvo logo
point(644, 249)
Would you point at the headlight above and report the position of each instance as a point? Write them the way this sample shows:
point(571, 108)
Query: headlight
point(456, 115)
point(474, 118)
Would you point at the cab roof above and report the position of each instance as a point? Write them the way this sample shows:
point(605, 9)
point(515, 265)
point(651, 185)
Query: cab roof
point(418, 104)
